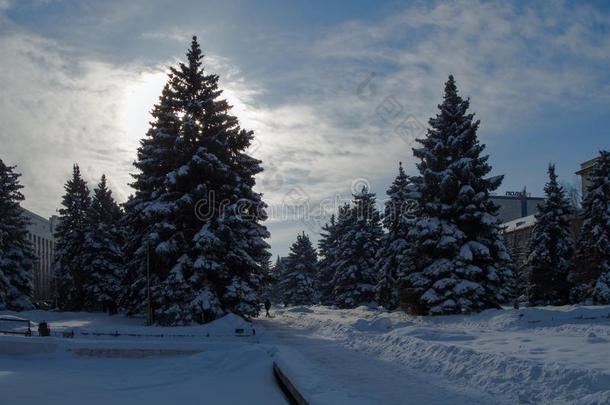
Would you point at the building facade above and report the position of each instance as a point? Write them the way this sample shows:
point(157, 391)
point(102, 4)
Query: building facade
point(40, 234)
point(518, 231)
point(517, 235)
point(585, 174)
point(516, 204)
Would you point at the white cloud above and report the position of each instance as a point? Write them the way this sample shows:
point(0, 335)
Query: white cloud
point(314, 131)
point(175, 34)
point(55, 111)
point(510, 62)
point(513, 63)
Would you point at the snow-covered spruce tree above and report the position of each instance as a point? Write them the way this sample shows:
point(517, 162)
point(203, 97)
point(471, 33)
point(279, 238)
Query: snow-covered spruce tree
point(460, 262)
point(325, 274)
point(148, 211)
point(277, 271)
point(68, 265)
point(206, 237)
point(16, 254)
point(229, 250)
point(519, 254)
point(269, 282)
point(355, 265)
point(397, 219)
point(102, 251)
point(329, 250)
point(592, 274)
point(551, 248)
point(299, 274)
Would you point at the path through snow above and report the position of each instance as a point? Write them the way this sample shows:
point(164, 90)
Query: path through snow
point(550, 355)
point(331, 373)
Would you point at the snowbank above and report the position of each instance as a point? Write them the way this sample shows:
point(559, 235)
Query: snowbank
point(548, 355)
point(25, 345)
point(308, 381)
point(299, 309)
point(103, 336)
point(210, 365)
point(232, 375)
point(97, 325)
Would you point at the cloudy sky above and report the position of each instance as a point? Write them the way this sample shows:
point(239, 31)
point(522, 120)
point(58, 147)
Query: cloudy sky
point(335, 91)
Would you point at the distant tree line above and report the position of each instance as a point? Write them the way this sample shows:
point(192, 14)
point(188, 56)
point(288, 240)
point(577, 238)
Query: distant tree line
point(443, 255)
point(89, 263)
point(562, 269)
point(437, 247)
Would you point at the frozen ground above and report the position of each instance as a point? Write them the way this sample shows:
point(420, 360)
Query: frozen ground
point(189, 365)
point(360, 356)
point(551, 355)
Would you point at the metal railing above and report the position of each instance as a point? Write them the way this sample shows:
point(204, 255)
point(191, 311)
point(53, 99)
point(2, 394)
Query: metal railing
point(4, 320)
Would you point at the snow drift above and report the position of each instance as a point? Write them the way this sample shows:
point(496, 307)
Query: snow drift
point(541, 355)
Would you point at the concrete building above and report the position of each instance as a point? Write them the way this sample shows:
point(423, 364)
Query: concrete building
point(40, 234)
point(518, 231)
point(517, 235)
point(585, 174)
point(516, 204)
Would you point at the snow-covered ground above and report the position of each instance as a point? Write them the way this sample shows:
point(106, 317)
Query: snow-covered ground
point(360, 356)
point(189, 365)
point(531, 355)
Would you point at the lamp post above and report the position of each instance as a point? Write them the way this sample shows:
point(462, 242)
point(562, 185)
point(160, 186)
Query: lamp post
point(149, 317)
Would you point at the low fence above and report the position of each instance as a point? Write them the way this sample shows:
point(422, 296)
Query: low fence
point(573, 318)
point(68, 332)
point(5, 322)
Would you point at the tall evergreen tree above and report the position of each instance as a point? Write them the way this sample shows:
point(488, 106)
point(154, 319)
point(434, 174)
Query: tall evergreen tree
point(592, 277)
point(278, 269)
point(328, 238)
point(68, 265)
point(148, 210)
point(229, 252)
point(397, 219)
point(16, 255)
point(269, 282)
point(329, 250)
point(355, 272)
point(551, 247)
point(519, 255)
point(102, 251)
point(206, 240)
point(299, 273)
point(460, 263)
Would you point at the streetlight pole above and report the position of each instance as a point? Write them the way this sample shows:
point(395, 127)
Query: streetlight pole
point(149, 319)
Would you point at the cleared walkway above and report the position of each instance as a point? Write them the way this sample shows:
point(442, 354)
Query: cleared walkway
point(331, 373)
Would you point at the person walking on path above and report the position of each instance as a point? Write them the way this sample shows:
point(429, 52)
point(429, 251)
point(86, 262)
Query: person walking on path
point(267, 307)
